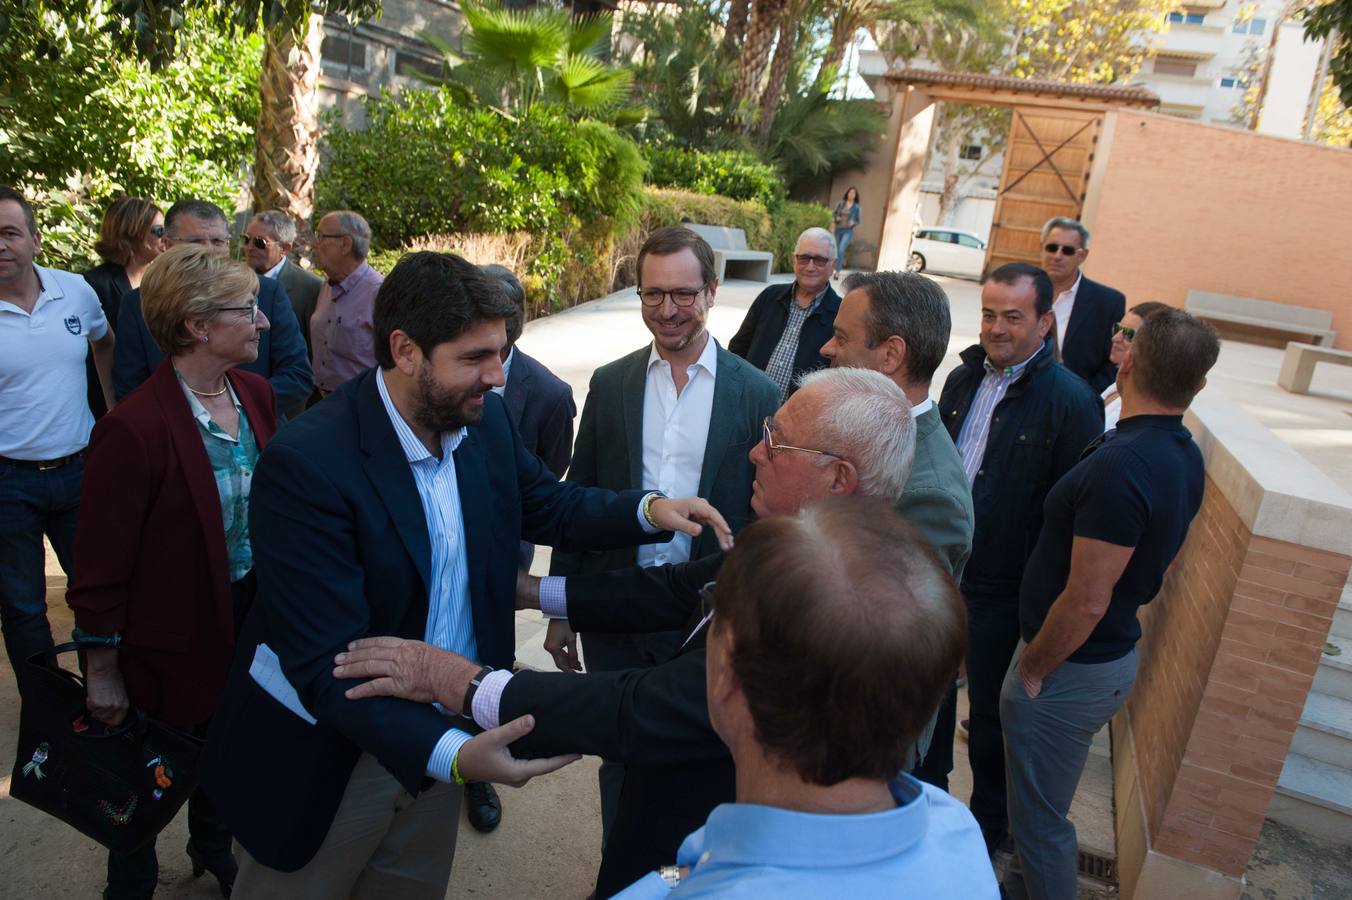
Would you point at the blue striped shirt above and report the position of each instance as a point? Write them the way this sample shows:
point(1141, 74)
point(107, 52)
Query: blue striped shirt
point(976, 428)
point(450, 624)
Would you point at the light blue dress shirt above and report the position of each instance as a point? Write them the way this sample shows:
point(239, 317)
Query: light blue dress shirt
point(450, 623)
point(929, 846)
point(976, 428)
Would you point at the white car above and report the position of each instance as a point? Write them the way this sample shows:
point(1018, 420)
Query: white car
point(947, 251)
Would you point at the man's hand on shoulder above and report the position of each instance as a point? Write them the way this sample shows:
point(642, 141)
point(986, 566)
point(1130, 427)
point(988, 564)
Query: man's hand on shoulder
point(412, 670)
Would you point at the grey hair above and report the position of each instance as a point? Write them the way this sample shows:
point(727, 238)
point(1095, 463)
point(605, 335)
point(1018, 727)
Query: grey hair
point(282, 224)
point(865, 418)
point(915, 309)
point(1067, 222)
point(819, 234)
point(355, 227)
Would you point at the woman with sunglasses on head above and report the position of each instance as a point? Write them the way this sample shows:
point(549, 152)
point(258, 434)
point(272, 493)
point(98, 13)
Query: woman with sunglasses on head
point(163, 564)
point(1123, 333)
point(132, 234)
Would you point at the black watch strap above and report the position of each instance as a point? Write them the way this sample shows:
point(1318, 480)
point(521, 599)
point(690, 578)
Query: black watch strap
point(478, 679)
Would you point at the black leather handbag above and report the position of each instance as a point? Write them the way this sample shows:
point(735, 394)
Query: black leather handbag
point(120, 786)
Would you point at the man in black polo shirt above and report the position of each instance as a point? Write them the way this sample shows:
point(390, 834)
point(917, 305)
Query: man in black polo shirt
point(1111, 527)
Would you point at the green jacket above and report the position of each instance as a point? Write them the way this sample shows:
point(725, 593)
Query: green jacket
point(937, 499)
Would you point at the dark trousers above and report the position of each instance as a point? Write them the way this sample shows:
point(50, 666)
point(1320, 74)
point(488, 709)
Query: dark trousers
point(992, 635)
point(612, 653)
point(133, 876)
point(33, 503)
point(938, 761)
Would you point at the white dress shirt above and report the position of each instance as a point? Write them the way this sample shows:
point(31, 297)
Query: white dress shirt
point(675, 430)
point(1062, 307)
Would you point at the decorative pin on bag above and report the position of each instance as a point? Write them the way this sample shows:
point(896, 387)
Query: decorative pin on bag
point(34, 766)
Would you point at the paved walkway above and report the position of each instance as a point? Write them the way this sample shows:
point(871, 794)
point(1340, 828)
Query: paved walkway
point(549, 843)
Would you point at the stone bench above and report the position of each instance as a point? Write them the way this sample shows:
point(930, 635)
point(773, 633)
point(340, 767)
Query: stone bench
point(1315, 323)
point(731, 253)
point(1298, 364)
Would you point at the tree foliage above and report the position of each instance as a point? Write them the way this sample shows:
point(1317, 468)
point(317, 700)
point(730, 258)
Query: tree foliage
point(82, 124)
point(1332, 20)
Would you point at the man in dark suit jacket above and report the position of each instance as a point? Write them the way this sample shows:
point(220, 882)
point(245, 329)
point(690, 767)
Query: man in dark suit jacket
point(787, 324)
point(268, 242)
point(898, 323)
point(679, 414)
point(393, 507)
point(656, 719)
point(281, 354)
point(1086, 311)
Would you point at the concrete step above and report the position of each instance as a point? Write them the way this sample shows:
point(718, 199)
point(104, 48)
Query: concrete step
point(1324, 732)
point(1315, 797)
point(1334, 675)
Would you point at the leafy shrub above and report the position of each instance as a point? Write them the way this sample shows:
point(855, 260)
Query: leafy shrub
point(731, 173)
point(83, 125)
point(427, 165)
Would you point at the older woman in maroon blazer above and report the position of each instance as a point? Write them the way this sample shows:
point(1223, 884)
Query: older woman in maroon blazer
point(163, 564)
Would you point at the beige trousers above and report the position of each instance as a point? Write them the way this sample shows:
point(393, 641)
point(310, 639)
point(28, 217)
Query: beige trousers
point(383, 843)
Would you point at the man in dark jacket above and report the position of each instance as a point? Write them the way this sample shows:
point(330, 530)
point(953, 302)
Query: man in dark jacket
point(1085, 310)
point(787, 324)
point(1020, 422)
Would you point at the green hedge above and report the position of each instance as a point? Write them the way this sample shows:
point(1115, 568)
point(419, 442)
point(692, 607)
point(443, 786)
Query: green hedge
point(427, 165)
point(729, 173)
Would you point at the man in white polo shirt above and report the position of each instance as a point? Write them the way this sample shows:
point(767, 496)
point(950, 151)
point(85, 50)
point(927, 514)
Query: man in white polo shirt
point(49, 319)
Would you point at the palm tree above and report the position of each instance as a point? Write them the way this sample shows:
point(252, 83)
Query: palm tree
point(848, 16)
point(517, 58)
point(791, 27)
point(760, 36)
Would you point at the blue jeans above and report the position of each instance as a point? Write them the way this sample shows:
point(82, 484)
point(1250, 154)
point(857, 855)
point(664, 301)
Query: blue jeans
point(32, 504)
point(843, 236)
point(1047, 742)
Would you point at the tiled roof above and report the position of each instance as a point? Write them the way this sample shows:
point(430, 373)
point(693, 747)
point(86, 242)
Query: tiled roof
point(1126, 94)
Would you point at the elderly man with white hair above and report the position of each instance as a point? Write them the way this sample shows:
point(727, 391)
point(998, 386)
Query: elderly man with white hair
point(342, 333)
point(844, 432)
point(786, 326)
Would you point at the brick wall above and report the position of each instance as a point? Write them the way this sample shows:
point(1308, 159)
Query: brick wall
point(1228, 653)
point(1185, 205)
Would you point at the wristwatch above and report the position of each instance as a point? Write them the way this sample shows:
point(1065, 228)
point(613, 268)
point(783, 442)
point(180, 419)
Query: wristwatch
point(670, 874)
point(468, 710)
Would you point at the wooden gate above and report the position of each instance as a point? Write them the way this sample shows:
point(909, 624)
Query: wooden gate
point(1046, 174)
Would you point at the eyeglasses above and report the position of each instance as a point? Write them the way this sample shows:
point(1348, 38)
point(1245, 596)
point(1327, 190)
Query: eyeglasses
point(157, 231)
point(257, 243)
point(809, 259)
point(251, 309)
point(768, 439)
point(322, 234)
point(1128, 333)
point(1063, 249)
point(680, 296)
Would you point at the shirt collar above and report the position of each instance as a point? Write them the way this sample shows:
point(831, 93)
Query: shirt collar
point(199, 412)
point(751, 834)
point(356, 275)
point(921, 408)
point(1016, 370)
point(816, 301)
point(1074, 289)
point(414, 451)
point(708, 359)
point(276, 270)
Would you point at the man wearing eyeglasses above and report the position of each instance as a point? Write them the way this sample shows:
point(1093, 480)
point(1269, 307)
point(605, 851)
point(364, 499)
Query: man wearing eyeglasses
point(267, 244)
point(787, 324)
point(342, 333)
point(679, 415)
point(1085, 310)
point(281, 351)
point(844, 432)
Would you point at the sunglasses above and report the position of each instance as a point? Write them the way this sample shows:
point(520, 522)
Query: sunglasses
point(809, 259)
point(771, 447)
point(257, 243)
point(1128, 333)
point(680, 296)
point(251, 309)
point(1063, 249)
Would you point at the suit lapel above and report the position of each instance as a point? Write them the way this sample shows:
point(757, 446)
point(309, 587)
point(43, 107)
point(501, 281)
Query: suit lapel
point(727, 390)
point(632, 389)
point(1080, 312)
point(387, 467)
point(192, 455)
